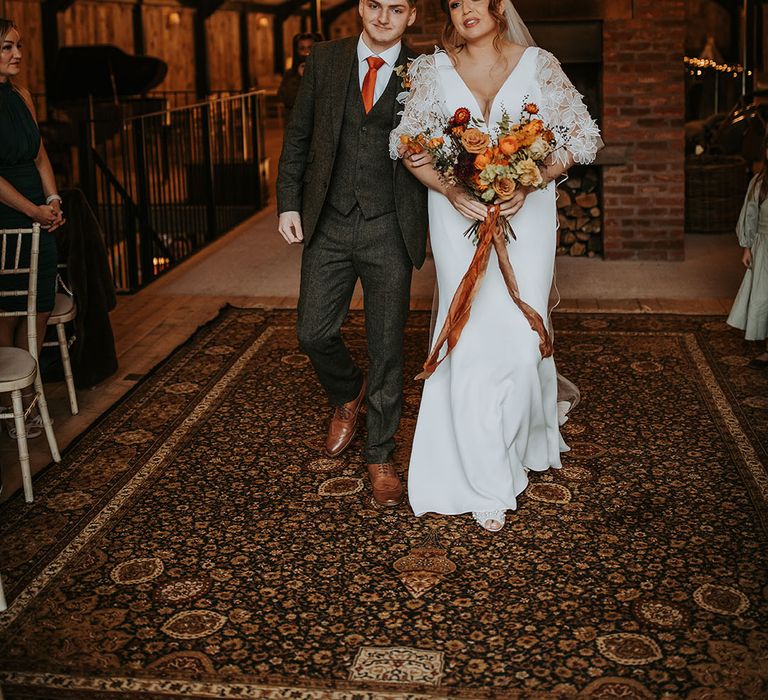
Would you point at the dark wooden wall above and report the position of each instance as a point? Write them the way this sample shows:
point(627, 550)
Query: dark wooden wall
point(172, 42)
point(97, 23)
point(168, 33)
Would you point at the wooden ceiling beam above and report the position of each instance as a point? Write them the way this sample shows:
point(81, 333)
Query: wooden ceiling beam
point(285, 9)
point(58, 5)
point(205, 8)
point(280, 9)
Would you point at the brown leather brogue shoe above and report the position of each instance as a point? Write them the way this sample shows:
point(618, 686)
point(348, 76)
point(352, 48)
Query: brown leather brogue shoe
point(344, 425)
point(387, 489)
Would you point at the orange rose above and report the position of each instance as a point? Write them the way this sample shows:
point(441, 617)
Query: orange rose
point(527, 135)
point(536, 125)
point(509, 145)
point(499, 157)
point(474, 140)
point(435, 142)
point(483, 159)
point(413, 145)
point(526, 139)
point(458, 130)
point(504, 188)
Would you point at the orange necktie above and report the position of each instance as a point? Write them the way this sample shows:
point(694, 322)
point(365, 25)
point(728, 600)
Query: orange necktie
point(369, 82)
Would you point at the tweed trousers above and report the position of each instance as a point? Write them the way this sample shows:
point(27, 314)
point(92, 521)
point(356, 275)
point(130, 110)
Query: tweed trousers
point(343, 250)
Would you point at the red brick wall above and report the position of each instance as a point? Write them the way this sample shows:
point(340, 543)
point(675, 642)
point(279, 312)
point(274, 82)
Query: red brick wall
point(642, 121)
point(643, 111)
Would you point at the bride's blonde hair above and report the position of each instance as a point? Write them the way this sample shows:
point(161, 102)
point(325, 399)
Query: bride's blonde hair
point(451, 39)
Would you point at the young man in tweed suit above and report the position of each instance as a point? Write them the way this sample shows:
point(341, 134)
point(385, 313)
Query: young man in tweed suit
point(360, 215)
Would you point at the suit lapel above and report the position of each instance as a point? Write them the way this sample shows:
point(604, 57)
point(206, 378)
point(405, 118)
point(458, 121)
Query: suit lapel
point(397, 107)
point(346, 57)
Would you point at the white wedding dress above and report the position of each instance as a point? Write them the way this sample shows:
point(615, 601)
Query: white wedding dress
point(489, 413)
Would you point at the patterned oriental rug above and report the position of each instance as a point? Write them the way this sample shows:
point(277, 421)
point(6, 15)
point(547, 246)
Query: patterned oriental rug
point(195, 543)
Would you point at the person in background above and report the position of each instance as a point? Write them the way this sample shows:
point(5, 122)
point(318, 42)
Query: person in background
point(289, 86)
point(27, 195)
point(750, 309)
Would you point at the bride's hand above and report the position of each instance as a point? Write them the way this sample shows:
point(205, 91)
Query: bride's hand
point(466, 205)
point(417, 160)
point(411, 159)
point(515, 203)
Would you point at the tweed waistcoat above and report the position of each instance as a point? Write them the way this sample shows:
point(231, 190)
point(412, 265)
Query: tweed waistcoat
point(362, 173)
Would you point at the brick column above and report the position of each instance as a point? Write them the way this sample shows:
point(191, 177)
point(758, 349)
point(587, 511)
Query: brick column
point(642, 123)
point(643, 113)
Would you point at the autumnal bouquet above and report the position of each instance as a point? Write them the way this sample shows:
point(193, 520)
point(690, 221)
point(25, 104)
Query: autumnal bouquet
point(490, 167)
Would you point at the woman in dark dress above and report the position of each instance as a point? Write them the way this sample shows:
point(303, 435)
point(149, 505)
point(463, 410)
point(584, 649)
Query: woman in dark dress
point(27, 193)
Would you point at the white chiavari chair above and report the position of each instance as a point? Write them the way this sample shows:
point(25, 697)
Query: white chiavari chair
point(64, 310)
point(18, 367)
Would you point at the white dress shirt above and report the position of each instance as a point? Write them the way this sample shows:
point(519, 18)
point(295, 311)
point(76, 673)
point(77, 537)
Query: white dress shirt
point(384, 73)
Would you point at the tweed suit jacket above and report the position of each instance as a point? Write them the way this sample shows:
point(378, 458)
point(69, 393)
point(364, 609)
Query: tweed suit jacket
point(310, 146)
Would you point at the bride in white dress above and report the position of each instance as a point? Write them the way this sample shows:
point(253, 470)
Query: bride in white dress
point(489, 413)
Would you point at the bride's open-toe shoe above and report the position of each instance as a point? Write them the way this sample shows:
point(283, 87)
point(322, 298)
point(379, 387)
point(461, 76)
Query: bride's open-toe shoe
point(491, 520)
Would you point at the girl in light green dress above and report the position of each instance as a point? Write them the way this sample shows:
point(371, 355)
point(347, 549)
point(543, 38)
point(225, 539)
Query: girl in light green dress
point(750, 309)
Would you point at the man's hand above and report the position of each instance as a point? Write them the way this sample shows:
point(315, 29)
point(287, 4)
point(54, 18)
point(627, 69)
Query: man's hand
point(289, 226)
point(746, 257)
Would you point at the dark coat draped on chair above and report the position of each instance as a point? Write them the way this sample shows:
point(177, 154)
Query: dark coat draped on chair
point(81, 247)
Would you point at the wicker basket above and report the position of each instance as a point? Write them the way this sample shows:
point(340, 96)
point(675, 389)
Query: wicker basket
point(714, 192)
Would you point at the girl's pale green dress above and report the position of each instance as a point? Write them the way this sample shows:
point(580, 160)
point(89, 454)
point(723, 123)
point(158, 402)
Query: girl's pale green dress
point(750, 309)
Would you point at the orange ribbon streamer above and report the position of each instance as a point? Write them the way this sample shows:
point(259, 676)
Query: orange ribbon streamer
point(490, 235)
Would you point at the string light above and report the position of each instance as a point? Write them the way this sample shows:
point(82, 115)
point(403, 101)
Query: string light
point(700, 64)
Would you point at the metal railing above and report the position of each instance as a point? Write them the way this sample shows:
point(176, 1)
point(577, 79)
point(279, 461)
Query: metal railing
point(186, 98)
point(166, 184)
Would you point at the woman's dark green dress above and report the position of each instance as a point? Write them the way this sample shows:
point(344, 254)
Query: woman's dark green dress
point(19, 146)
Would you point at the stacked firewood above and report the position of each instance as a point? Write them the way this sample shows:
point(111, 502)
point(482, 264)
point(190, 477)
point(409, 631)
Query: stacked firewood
point(580, 215)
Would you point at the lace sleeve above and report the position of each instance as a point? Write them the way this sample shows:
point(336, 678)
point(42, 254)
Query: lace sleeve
point(562, 105)
point(422, 112)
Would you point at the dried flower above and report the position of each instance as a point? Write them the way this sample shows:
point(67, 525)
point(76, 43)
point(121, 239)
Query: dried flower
point(402, 72)
point(461, 117)
point(465, 166)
